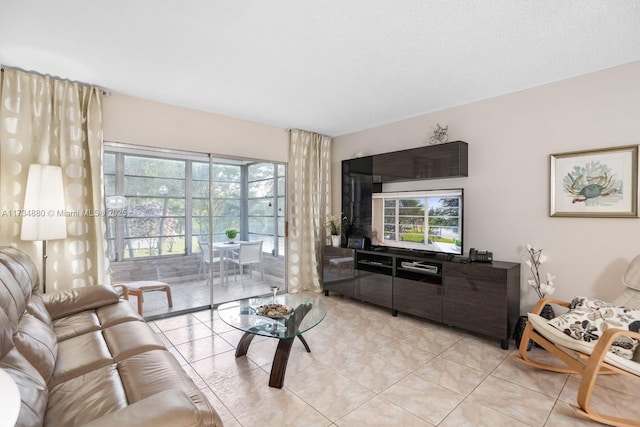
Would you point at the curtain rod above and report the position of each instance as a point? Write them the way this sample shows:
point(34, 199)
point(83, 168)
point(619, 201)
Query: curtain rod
point(105, 92)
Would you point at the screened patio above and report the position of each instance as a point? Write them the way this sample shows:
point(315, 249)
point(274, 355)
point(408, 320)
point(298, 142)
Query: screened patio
point(164, 205)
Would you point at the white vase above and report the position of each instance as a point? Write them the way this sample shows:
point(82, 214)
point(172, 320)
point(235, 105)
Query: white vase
point(335, 241)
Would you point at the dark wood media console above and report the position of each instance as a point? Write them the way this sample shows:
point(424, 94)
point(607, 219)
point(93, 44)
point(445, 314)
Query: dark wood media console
point(478, 297)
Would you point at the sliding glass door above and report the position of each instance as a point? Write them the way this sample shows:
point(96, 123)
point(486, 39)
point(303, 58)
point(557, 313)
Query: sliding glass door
point(169, 213)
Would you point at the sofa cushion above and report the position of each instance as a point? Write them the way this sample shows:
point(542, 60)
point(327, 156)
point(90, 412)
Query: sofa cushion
point(21, 265)
point(129, 338)
point(79, 355)
point(36, 307)
point(12, 297)
point(33, 388)
point(71, 301)
point(6, 334)
point(76, 324)
point(85, 397)
point(146, 374)
point(36, 341)
point(114, 314)
point(177, 409)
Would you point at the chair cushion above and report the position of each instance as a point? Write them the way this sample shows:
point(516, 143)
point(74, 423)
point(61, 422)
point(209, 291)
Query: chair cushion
point(588, 318)
point(555, 336)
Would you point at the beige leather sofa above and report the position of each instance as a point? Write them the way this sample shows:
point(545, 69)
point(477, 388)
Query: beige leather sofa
point(85, 357)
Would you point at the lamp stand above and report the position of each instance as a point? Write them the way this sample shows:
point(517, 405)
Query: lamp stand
point(44, 193)
point(44, 266)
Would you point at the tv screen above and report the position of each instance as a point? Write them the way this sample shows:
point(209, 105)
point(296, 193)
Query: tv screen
point(428, 220)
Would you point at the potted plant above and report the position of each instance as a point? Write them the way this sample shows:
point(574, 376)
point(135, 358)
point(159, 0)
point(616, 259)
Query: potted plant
point(231, 234)
point(334, 226)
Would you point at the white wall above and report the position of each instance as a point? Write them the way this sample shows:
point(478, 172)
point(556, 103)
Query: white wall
point(507, 191)
point(138, 121)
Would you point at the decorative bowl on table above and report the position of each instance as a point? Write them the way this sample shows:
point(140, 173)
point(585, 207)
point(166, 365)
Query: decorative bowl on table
point(274, 310)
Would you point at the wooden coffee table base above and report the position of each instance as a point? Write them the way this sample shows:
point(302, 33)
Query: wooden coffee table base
point(280, 359)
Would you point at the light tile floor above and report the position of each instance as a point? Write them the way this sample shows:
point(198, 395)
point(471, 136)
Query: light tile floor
point(367, 368)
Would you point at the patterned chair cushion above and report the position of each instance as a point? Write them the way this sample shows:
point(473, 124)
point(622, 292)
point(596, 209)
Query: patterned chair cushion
point(588, 318)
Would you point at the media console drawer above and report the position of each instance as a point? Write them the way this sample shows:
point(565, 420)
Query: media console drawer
point(421, 299)
point(375, 288)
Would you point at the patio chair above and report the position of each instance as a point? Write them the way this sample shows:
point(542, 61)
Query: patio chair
point(589, 359)
point(206, 261)
point(249, 253)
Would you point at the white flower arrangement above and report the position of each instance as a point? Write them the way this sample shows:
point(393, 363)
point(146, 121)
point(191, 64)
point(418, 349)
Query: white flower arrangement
point(535, 260)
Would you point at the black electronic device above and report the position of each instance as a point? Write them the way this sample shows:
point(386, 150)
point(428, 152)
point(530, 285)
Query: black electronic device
point(479, 255)
point(390, 211)
point(355, 242)
point(419, 266)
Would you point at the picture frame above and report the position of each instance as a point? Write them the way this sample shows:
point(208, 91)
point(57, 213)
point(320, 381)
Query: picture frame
point(595, 183)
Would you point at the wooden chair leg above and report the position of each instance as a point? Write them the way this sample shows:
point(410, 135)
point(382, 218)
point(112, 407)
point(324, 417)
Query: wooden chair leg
point(140, 300)
point(573, 366)
point(169, 299)
point(594, 367)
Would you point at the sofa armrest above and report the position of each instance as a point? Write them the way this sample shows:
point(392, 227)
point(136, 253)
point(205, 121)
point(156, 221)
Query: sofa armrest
point(71, 301)
point(168, 408)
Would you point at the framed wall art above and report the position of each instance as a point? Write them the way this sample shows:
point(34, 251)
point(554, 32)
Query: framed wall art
point(595, 183)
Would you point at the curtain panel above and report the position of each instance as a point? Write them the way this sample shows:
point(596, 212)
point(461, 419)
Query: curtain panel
point(55, 122)
point(309, 206)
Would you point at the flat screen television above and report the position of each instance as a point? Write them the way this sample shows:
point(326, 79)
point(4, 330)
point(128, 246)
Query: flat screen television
point(430, 220)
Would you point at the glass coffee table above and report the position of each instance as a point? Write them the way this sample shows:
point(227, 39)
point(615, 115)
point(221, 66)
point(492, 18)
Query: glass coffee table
point(243, 315)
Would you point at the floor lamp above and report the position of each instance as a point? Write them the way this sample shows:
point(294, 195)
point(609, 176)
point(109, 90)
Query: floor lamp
point(44, 209)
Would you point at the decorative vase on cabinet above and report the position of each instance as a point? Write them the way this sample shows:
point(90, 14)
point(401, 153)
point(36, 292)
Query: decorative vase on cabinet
point(335, 240)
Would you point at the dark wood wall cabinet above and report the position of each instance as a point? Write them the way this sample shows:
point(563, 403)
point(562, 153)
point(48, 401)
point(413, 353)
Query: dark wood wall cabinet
point(363, 176)
point(447, 160)
point(480, 297)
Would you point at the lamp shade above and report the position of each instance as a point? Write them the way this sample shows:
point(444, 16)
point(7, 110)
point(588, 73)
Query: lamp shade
point(43, 217)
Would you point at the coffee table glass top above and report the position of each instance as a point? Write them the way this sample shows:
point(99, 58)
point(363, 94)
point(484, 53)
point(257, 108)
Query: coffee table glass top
point(243, 315)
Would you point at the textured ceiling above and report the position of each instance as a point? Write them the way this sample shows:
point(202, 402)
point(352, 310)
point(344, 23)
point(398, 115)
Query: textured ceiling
point(332, 67)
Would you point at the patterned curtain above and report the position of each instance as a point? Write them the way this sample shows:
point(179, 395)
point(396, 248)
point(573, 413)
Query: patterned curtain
point(57, 122)
point(309, 205)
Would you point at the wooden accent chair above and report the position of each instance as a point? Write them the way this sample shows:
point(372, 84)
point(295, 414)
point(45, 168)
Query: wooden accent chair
point(588, 359)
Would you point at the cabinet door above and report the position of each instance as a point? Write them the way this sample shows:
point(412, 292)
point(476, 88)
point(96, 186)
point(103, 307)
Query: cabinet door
point(475, 298)
point(357, 187)
point(374, 288)
point(418, 298)
point(338, 270)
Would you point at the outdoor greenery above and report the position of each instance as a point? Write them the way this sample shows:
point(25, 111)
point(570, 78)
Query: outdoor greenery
point(404, 220)
point(157, 209)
